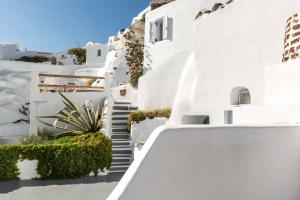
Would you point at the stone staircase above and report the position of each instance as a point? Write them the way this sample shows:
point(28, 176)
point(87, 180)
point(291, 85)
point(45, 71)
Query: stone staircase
point(121, 142)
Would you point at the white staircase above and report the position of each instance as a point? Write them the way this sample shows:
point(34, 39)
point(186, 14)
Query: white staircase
point(121, 141)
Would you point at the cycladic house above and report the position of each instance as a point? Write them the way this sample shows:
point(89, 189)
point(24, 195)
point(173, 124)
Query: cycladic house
point(222, 61)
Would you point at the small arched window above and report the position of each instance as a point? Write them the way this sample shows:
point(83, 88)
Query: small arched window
point(99, 52)
point(240, 96)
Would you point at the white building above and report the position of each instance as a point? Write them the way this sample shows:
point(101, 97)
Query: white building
point(96, 53)
point(221, 66)
point(64, 58)
point(14, 51)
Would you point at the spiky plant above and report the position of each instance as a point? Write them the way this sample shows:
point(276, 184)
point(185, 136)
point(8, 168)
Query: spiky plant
point(73, 121)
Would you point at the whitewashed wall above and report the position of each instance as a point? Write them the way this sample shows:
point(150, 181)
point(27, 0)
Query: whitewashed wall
point(220, 63)
point(165, 60)
point(232, 47)
point(140, 132)
point(131, 94)
point(91, 54)
point(18, 85)
point(228, 163)
point(14, 92)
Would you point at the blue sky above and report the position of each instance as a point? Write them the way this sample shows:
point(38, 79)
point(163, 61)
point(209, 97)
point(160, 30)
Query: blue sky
point(56, 25)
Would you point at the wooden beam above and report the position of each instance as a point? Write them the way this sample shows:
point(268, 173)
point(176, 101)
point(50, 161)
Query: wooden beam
point(70, 76)
point(70, 86)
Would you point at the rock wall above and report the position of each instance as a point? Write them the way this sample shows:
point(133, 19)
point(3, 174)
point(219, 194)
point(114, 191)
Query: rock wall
point(292, 38)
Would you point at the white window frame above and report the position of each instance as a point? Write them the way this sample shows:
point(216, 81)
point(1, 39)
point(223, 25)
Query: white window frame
point(160, 29)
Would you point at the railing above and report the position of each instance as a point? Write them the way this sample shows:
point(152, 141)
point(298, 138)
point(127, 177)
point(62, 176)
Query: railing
point(45, 86)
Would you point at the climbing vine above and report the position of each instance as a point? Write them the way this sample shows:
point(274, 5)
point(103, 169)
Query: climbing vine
point(135, 59)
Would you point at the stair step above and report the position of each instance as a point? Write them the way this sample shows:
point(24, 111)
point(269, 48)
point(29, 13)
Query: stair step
point(119, 127)
point(121, 159)
point(120, 167)
point(119, 124)
point(122, 172)
point(122, 130)
point(121, 151)
point(122, 113)
point(121, 143)
point(118, 102)
point(120, 163)
point(119, 107)
point(119, 118)
point(121, 154)
point(123, 147)
point(120, 136)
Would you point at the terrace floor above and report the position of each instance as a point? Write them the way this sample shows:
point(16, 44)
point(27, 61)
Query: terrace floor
point(89, 188)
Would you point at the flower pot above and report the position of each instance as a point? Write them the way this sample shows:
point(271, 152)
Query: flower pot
point(123, 92)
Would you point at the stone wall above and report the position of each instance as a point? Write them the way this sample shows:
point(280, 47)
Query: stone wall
point(292, 38)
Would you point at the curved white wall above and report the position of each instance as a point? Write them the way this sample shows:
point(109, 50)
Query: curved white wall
point(228, 163)
point(231, 52)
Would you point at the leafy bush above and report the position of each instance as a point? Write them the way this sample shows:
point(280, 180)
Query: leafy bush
point(80, 54)
point(34, 59)
point(9, 155)
point(74, 121)
point(66, 157)
point(139, 115)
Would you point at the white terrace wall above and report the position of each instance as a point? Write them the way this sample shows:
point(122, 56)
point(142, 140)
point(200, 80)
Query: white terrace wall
point(233, 48)
point(47, 104)
point(16, 88)
point(14, 92)
point(228, 163)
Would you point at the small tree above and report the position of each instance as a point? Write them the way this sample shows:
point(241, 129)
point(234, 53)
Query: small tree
point(135, 59)
point(80, 53)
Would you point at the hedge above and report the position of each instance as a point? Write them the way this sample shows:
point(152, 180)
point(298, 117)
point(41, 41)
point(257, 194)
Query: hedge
point(9, 155)
point(62, 159)
point(139, 115)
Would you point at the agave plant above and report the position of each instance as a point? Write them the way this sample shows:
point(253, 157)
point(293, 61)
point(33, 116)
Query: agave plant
point(71, 121)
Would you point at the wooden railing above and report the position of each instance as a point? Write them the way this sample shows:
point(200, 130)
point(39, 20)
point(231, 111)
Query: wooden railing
point(69, 86)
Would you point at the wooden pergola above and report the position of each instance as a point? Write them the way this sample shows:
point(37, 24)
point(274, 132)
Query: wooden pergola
point(71, 86)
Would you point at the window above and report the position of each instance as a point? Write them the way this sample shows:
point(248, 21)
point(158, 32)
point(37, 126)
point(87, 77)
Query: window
point(160, 29)
point(240, 96)
point(99, 52)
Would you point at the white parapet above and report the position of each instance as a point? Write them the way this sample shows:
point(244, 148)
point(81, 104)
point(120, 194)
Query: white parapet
point(228, 163)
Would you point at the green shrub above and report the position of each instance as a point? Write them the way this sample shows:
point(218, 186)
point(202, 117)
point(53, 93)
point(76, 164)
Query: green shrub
point(139, 115)
point(36, 139)
point(9, 155)
point(80, 54)
point(66, 157)
point(34, 59)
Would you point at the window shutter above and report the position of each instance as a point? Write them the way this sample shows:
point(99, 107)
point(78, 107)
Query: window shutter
point(166, 28)
point(152, 35)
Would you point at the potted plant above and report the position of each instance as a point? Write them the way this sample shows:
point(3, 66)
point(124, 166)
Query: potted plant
point(123, 92)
